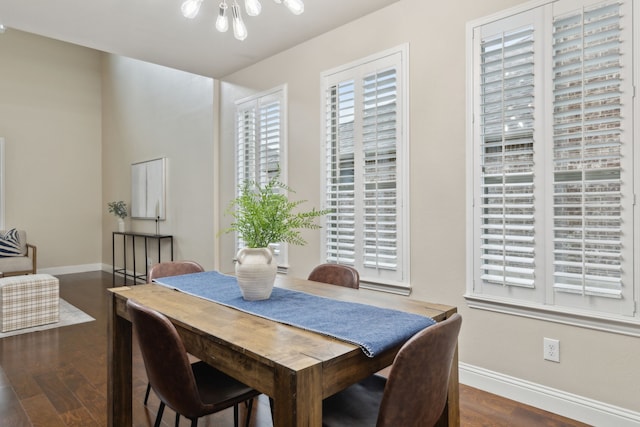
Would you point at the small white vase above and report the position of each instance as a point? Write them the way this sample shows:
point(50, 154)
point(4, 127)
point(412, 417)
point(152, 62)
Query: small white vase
point(256, 272)
point(121, 225)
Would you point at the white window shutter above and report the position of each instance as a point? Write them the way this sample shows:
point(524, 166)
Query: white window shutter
point(260, 139)
point(552, 142)
point(246, 139)
point(589, 139)
point(364, 148)
point(340, 177)
point(507, 210)
point(379, 148)
point(270, 135)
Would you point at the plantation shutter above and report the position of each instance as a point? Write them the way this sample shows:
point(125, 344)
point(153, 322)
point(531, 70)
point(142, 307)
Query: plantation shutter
point(553, 160)
point(588, 138)
point(363, 143)
point(259, 136)
point(340, 177)
point(270, 134)
point(246, 155)
point(379, 141)
point(363, 186)
point(260, 139)
point(506, 114)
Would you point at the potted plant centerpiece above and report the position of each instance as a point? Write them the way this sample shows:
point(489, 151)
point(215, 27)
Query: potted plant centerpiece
point(263, 215)
point(119, 209)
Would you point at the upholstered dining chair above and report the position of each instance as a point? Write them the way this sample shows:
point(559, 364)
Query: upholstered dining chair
point(167, 269)
point(336, 274)
point(414, 394)
point(191, 390)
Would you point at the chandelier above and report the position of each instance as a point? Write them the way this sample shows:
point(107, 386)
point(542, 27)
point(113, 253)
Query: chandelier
point(190, 9)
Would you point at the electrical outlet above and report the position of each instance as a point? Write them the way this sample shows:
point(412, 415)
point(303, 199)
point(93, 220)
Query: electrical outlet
point(149, 261)
point(551, 350)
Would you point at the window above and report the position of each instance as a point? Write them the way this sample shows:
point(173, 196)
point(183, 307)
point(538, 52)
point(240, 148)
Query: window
point(551, 143)
point(260, 145)
point(365, 168)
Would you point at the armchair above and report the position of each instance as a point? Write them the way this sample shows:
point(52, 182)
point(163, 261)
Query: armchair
point(23, 263)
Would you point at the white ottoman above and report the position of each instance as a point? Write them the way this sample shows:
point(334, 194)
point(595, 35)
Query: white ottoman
point(26, 301)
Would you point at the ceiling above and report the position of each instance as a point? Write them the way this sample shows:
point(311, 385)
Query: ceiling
point(155, 30)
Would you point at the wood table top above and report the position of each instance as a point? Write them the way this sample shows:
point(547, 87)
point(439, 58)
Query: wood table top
point(268, 340)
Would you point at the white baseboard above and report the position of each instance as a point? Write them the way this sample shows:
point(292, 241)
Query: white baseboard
point(107, 267)
point(568, 405)
point(69, 269)
point(84, 268)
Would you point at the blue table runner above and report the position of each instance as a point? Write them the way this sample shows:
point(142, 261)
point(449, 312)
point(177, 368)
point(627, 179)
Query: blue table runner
point(374, 329)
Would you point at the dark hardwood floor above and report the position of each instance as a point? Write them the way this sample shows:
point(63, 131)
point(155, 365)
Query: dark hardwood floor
point(59, 377)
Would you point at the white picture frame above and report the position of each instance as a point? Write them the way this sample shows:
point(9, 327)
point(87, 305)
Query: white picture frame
point(148, 189)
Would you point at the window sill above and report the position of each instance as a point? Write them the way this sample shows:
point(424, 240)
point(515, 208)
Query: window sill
point(619, 325)
point(386, 287)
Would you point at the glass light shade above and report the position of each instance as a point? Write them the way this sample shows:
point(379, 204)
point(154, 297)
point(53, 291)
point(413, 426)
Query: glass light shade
point(190, 8)
point(295, 6)
point(222, 22)
point(239, 29)
point(253, 7)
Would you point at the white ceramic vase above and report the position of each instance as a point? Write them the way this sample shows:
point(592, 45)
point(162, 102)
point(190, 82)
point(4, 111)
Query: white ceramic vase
point(256, 271)
point(121, 225)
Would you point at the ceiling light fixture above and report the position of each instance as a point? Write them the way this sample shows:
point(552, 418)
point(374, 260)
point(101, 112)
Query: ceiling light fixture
point(2, 28)
point(190, 9)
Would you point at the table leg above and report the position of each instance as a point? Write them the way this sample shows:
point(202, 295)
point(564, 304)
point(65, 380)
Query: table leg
point(298, 397)
point(113, 258)
point(133, 254)
point(119, 369)
point(124, 256)
point(146, 260)
point(451, 415)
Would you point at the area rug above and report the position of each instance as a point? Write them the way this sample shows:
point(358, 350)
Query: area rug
point(69, 315)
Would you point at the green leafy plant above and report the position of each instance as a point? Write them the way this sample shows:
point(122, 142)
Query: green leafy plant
point(118, 208)
point(263, 214)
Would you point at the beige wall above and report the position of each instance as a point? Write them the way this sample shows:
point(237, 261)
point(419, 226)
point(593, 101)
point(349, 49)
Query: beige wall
point(50, 117)
point(150, 111)
point(69, 149)
point(594, 364)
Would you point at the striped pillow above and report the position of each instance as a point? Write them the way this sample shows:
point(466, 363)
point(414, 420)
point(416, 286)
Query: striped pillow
point(10, 243)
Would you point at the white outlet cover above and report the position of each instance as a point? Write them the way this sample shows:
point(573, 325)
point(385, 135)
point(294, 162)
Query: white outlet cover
point(551, 350)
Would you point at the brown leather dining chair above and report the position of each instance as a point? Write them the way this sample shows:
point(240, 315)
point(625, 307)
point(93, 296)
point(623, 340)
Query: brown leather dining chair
point(167, 269)
point(415, 393)
point(191, 390)
point(336, 274)
point(173, 268)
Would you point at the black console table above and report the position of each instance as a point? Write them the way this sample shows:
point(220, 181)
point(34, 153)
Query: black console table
point(146, 236)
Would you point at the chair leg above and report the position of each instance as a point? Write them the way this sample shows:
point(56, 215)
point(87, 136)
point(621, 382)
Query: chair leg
point(146, 395)
point(249, 408)
point(177, 419)
point(235, 415)
point(159, 416)
point(271, 408)
point(194, 422)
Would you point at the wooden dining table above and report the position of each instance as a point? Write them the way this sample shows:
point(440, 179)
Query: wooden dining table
point(297, 368)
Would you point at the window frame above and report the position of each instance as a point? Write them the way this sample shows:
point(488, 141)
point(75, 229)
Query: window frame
point(254, 101)
point(577, 316)
point(353, 70)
